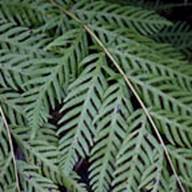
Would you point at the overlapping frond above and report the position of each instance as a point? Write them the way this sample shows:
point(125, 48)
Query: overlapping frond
point(29, 13)
point(80, 107)
point(135, 43)
point(81, 83)
point(133, 158)
point(135, 53)
point(42, 154)
point(140, 20)
point(111, 130)
point(156, 80)
point(52, 76)
point(20, 49)
point(179, 35)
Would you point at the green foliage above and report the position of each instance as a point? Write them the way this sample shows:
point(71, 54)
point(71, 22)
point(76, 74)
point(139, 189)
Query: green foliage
point(65, 97)
point(179, 35)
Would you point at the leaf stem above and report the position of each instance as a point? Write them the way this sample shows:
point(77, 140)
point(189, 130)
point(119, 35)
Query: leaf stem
point(11, 148)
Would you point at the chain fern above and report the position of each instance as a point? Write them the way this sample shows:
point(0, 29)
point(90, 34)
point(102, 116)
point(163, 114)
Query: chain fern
point(104, 83)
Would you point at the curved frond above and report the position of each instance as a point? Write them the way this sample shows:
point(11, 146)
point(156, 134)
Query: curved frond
point(143, 21)
point(111, 130)
point(43, 155)
point(94, 96)
point(51, 78)
point(132, 160)
point(80, 107)
point(20, 49)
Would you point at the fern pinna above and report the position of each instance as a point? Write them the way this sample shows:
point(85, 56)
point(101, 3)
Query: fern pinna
point(95, 82)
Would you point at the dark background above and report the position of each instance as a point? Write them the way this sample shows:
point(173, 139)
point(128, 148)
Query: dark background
point(175, 10)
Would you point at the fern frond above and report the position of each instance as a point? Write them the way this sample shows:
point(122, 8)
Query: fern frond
point(136, 54)
point(9, 101)
point(179, 35)
point(143, 21)
point(171, 90)
point(182, 158)
point(23, 38)
point(44, 155)
point(57, 72)
point(80, 107)
point(176, 128)
point(135, 59)
point(133, 158)
point(39, 152)
point(24, 13)
point(20, 49)
point(114, 37)
point(153, 174)
point(172, 101)
point(32, 180)
point(100, 85)
point(111, 129)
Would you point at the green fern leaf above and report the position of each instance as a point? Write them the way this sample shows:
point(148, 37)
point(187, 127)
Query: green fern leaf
point(9, 101)
point(19, 50)
point(7, 172)
point(58, 73)
point(111, 129)
point(182, 157)
point(82, 104)
point(94, 96)
point(31, 180)
point(134, 43)
point(176, 128)
point(152, 175)
point(142, 21)
point(179, 35)
point(27, 13)
point(134, 155)
point(44, 155)
point(132, 60)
